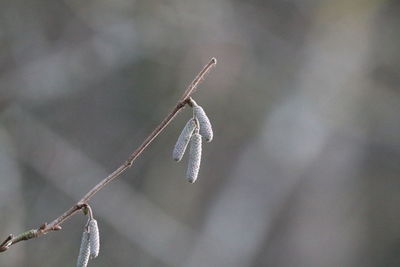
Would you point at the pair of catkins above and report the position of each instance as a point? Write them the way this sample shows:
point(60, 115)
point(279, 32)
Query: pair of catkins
point(197, 127)
point(90, 244)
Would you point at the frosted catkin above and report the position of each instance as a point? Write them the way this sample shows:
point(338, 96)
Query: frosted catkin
point(183, 140)
point(84, 251)
point(94, 239)
point(205, 124)
point(194, 158)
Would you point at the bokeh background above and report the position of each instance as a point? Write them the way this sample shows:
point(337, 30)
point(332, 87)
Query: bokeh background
point(305, 102)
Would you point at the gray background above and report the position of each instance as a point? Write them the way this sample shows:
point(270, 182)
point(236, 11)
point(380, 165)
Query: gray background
point(305, 103)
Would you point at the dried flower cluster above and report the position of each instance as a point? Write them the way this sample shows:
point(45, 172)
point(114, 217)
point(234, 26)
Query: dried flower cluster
point(94, 239)
point(90, 244)
point(194, 157)
point(183, 139)
point(197, 127)
point(84, 250)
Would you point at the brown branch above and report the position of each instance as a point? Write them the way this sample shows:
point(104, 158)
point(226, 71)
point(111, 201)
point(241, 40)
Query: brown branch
point(56, 223)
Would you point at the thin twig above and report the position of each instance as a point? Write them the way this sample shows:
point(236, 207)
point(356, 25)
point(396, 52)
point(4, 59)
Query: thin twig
point(202, 74)
point(56, 223)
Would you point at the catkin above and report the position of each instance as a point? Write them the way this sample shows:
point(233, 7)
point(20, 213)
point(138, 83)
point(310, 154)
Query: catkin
point(205, 124)
point(84, 251)
point(194, 158)
point(183, 140)
point(94, 239)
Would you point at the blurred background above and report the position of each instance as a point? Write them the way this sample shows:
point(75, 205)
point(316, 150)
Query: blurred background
point(304, 166)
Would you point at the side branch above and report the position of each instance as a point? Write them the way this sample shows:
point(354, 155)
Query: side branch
point(56, 223)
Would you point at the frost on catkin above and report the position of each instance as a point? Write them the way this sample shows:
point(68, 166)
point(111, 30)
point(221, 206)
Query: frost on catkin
point(94, 239)
point(205, 124)
point(183, 140)
point(84, 251)
point(194, 158)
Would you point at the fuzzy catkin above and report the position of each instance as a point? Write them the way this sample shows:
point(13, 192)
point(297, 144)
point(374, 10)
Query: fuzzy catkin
point(194, 158)
point(183, 140)
point(94, 239)
point(205, 124)
point(84, 250)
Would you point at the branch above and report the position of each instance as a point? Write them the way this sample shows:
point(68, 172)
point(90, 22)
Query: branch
point(82, 203)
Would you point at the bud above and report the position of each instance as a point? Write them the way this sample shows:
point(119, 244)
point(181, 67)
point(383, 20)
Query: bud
point(94, 239)
point(183, 140)
point(194, 158)
point(205, 124)
point(84, 251)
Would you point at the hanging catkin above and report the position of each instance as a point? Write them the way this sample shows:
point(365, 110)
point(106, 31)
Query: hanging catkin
point(204, 122)
point(94, 238)
point(84, 250)
point(194, 158)
point(183, 140)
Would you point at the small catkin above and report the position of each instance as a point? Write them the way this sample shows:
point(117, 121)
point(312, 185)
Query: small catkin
point(183, 140)
point(194, 158)
point(94, 239)
point(84, 251)
point(205, 124)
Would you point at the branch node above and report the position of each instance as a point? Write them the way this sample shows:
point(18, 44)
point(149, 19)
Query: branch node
point(56, 228)
point(80, 205)
point(128, 163)
point(191, 102)
point(43, 226)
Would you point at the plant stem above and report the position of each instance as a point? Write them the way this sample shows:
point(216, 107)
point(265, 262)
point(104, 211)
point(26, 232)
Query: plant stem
point(56, 223)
